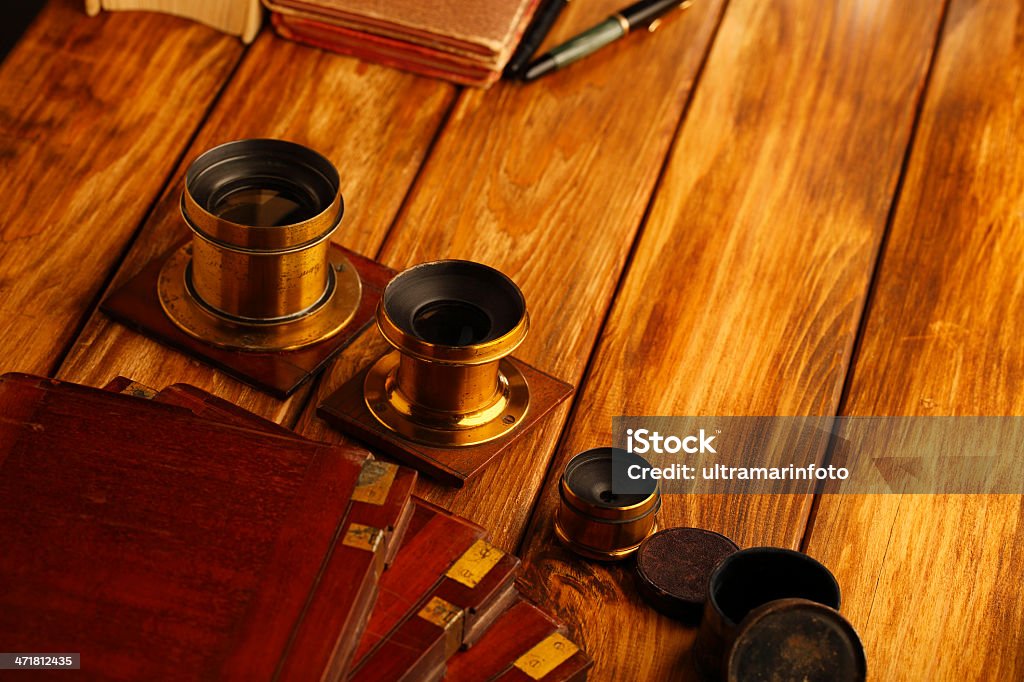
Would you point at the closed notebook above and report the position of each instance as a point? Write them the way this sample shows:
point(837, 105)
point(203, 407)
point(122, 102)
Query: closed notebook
point(467, 41)
point(481, 27)
point(422, 60)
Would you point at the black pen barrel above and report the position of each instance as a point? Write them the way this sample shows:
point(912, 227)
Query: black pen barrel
point(608, 31)
point(534, 36)
point(646, 11)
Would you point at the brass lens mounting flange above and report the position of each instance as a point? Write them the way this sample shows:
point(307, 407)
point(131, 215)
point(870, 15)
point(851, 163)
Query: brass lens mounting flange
point(447, 384)
point(258, 274)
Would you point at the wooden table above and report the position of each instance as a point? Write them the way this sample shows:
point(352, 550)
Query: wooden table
point(767, 207)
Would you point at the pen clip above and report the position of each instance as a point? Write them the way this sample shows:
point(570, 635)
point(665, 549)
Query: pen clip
point(653, 26)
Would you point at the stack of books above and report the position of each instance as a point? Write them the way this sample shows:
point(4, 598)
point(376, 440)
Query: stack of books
point(465, 41)
point(171, 534)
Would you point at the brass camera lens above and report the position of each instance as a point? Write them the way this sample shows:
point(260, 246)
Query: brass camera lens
point(259, 273)
point(594, 521)
point(451, 323)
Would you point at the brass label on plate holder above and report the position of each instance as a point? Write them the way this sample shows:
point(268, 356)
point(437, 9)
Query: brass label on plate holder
point(363, 537)
point(545, 656)
point(450, 618)
point(439, 612)
point(137, 390)
point(374, 482)
point(475, 563)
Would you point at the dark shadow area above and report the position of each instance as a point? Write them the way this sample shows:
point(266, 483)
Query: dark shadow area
point(16, 18)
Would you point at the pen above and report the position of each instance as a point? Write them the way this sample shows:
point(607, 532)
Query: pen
point(539, 28)
point(643, 13)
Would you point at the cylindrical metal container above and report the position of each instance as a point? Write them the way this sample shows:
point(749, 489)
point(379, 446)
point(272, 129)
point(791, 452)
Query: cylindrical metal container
point(595, 522)
point(746, 580)
point(448, 383)
point(258, 274)
point(796, 640)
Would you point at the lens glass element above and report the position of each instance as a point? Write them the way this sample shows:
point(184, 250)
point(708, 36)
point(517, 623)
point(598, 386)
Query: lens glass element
point(263, 203)
point(451, 323)
point(589, 476)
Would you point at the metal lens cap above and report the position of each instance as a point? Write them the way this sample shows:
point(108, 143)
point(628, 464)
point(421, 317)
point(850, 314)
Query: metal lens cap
point(796, 640)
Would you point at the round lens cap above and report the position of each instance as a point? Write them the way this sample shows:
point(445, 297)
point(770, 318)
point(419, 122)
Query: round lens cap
point(673, 568)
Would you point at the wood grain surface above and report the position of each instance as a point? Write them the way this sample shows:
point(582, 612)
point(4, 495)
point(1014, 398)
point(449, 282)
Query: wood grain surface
point(748, 283)
point(374, 124)
point(548, 184)
point(933, 582)
point(720, 267)
point(93, 116)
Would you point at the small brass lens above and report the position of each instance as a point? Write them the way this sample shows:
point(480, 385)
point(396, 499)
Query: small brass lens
point(594, 521)
point(259, 273)
point(447, 384)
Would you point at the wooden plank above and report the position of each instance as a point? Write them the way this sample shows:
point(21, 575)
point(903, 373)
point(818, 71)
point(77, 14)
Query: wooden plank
point(932, 582)
point(93, 117)
point(374, 123)
point(549, 183)
point(748, 282)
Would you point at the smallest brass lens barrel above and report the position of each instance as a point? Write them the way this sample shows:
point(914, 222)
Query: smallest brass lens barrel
point(452, 324)
point(595, 522)
point(259, 273)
